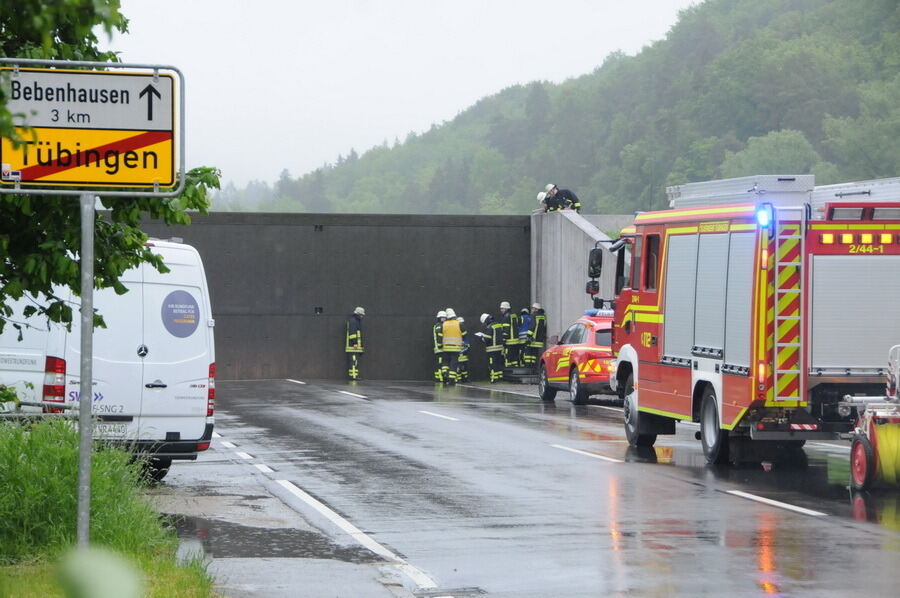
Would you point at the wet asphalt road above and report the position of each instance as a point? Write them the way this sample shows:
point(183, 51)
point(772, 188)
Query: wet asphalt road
point(479, 492)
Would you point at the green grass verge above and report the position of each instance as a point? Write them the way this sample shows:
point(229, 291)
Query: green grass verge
point(38, 511)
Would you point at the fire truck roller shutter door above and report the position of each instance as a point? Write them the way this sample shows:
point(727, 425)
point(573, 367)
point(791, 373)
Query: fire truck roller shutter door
point(681, 283)
point(709, 319)
point(855, 311)
point(739, 301)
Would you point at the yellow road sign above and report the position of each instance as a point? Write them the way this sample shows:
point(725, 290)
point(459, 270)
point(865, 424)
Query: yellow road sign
point(89, 128)
point(91, 157)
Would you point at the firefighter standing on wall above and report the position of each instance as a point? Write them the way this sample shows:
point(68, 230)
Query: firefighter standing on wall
point(492, 335)
point(437, 332)
point(563, 198)
point(453, 344)
point(353, 343)
point(537, 335)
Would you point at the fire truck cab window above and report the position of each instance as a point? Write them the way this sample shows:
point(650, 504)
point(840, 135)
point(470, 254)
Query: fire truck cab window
point(651, 268)
point(603, 338)
point(636, 262)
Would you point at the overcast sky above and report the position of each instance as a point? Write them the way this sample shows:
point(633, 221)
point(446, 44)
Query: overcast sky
point(291, 84)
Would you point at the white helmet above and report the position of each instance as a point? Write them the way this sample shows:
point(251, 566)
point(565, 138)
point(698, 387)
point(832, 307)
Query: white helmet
point(535, 305)
point(484, 317)
point(359, 311)
point(549, 187)
point(504, 305)
point(541, 197)
point(460, 320)
point(441, 314)
point(450, 312)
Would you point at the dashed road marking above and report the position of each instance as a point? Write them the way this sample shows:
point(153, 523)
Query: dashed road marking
point(453, 419)
point(216, 435)
point(776, 503)
point(353, 394)
point(227, 444)
point(263, 467)
point(294, 381)
point(420, 578)
point(829, 445)
point(587, 454)
point(243, 455)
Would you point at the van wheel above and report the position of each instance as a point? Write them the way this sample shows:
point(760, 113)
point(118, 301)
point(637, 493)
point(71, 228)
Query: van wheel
point(712, 436)
point(157, 468)
point(544, 390)
point(633, 417)
point(576, 393)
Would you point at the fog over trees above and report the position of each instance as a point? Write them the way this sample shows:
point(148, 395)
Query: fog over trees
point(735, 88)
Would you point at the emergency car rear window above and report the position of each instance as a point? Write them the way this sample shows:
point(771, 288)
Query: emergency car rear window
point(603, 338)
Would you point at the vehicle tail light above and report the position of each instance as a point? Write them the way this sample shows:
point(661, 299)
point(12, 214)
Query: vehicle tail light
point(54, 382)
point(202, 446)
point(211, 392)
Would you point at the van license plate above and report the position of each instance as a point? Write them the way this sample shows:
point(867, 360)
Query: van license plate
point(105, 430)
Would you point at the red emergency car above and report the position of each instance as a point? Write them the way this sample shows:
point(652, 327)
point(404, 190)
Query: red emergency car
point(581, 360)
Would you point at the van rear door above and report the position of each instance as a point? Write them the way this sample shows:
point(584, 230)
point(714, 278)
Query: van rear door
point(117, 367)
point(178, 351)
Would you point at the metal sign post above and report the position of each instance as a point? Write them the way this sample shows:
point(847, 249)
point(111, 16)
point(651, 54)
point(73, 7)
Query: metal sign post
point(85, 423)
point(110, 133)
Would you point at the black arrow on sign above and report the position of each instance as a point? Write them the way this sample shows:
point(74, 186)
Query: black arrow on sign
point(150, 91)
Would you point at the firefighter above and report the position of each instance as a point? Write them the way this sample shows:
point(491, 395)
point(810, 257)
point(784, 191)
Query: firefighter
point(353, 343)
point(437, 332)
point(492, 336)
point(565, 199)
point(512, 348)
point(452, 347)
point(542, 201)
point(537, 335)
point(464, 354)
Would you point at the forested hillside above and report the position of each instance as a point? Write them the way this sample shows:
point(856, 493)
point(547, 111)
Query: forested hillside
point(737, 87)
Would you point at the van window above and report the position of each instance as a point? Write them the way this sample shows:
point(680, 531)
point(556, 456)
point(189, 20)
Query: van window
point(651, 268)
point(635, 263)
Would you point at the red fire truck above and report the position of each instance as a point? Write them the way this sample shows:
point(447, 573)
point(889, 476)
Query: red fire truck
point(754, 306)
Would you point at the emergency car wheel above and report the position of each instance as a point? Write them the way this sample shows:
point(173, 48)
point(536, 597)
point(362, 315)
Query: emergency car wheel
point(862, 463)
point(713, 437)
point(544, 389)
point(576, 393)
point(632, 418)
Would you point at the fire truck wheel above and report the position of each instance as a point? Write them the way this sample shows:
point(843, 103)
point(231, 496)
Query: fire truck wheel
point(632, 418)
point(576, 393)
point(713, 437)
point(862, 463)
point(545, 391)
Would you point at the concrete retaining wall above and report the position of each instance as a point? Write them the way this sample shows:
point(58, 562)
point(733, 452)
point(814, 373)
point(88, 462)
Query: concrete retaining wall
point(269, 274)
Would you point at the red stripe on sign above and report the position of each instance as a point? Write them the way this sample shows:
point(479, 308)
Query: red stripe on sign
point(79, 159)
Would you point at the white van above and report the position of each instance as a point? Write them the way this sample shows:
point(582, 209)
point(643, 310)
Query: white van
point(154, 363)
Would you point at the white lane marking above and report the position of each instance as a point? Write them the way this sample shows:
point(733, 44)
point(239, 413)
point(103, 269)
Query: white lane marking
point(243, 455)
point(263, 468)
point(227, 444)
point(353, 394)
point(421, 579)
point(493, 389)
point(587, 454)
point(616, 409)
point(294, 381)
point(828, 444)
point(779, 504)
point(453, 419)
point(216, 435)
point(692, 424)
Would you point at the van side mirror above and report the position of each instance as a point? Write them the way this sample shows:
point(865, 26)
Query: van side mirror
point(554, 340)
point(595, 262)
point(592, 287)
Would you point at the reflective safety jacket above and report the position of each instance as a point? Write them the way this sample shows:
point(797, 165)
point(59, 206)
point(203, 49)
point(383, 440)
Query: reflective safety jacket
point(567, 199)
point(492, 335)
point(453, 336)
point(354, 342)
point(437, 333)
point(510, 328)
point(538, 333)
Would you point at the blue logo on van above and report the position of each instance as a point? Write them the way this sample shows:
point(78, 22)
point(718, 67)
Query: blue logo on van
point(180, 313)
